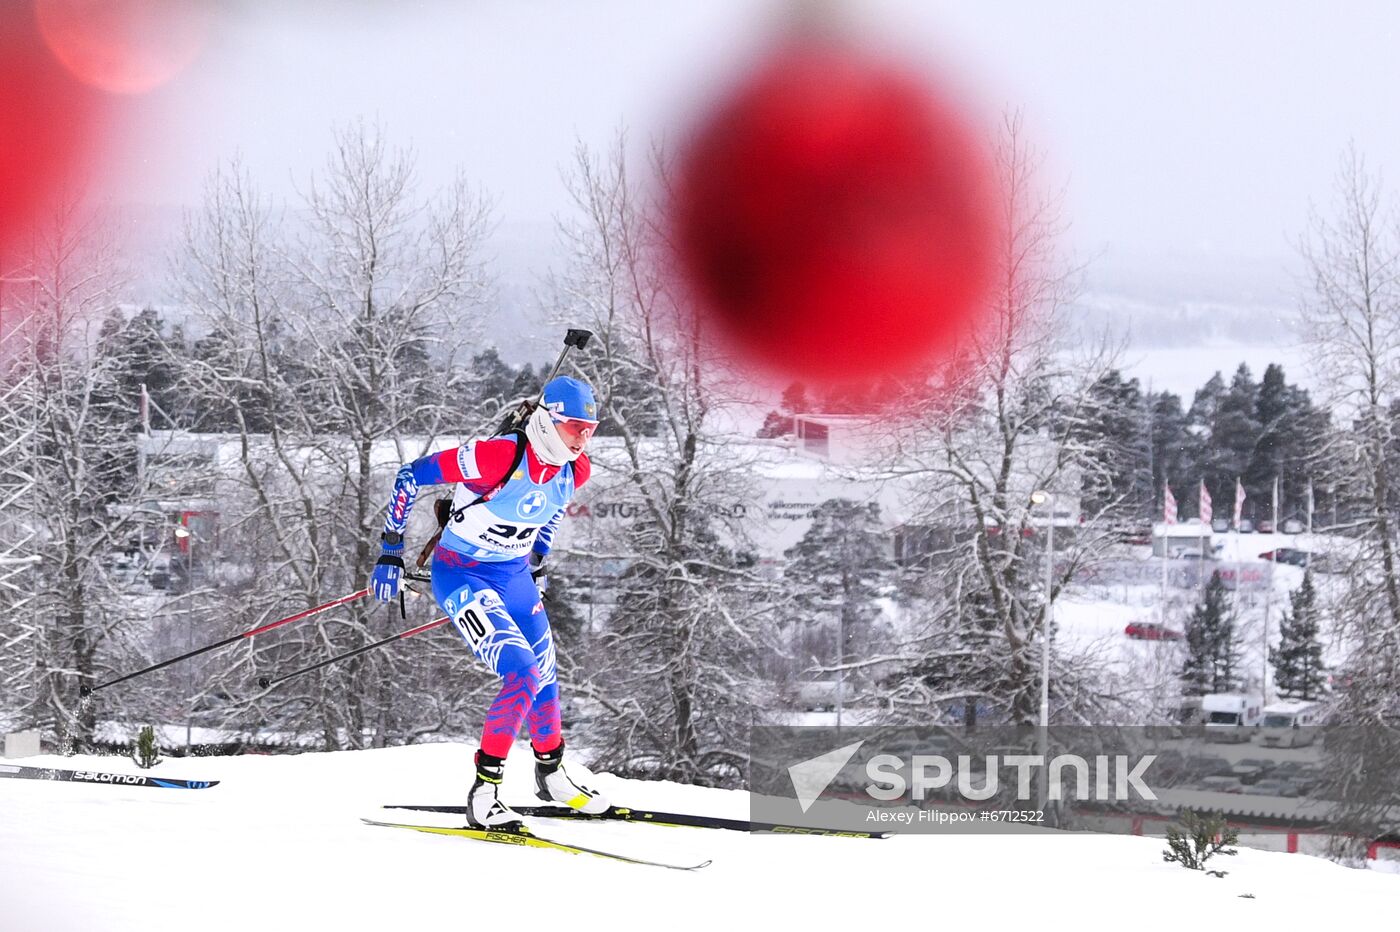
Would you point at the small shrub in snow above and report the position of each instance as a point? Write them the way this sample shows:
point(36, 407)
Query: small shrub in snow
point(145, 751)
point(1200, 837)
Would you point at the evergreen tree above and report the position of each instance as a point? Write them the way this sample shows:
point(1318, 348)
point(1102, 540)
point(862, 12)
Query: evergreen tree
point(835, 574)
point(152, 357)
point(1272, 411)
point(1234, 435)
point(779, 423)
point(227, 390)
point(527, 382)
point(1211, 652)
point(775, 424)
point(1119, 447)
point(1199, 442)
point(1291, 430)
point(794, 399)
point(1298, 669)
point(1169, 443)
point(491, 381)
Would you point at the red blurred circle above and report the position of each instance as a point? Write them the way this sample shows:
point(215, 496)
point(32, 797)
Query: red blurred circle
point(124, 46)
point(47, 120)
point(833, 214)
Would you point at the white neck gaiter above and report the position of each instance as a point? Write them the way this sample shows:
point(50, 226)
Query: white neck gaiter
point(549, 446)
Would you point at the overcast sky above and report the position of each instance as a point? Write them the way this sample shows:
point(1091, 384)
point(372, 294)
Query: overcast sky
point(1190, 137)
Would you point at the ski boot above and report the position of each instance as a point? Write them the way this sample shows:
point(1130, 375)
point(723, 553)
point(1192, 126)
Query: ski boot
point(484, 810)
point(554, 784)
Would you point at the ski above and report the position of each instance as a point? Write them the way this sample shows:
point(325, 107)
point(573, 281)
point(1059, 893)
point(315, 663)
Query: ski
point(526, 838)
point(621, 814)
point(17, 772)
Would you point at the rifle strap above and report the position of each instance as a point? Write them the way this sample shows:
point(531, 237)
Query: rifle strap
point(445, 513)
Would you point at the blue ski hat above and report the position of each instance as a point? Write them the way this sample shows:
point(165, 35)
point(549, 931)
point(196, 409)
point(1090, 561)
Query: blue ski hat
point(566, 398)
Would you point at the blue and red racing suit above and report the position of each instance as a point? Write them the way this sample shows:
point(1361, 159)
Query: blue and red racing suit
point(481, 572)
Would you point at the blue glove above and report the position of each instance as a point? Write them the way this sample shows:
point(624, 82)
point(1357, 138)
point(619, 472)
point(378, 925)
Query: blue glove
point(388, 571)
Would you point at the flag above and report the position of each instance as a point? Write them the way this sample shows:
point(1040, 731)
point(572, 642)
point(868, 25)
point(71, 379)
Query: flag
point(1205, 504)
point(1168, 505)
point(1239, 501)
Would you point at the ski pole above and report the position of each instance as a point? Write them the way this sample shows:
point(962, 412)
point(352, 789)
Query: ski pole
point(266, 682)
point(86, 690)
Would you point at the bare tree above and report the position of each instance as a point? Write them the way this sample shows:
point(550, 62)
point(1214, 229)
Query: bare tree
point(69, 466)
point(1001, 423)
point(1351, 320)
point(1350, 316)
point(333, 346)
point(675, 663)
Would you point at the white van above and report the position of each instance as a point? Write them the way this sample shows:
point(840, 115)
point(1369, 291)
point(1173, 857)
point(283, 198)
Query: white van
point(1287, 724)
point(1231, 717)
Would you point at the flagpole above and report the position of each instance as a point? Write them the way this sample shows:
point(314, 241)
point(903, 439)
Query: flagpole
point(1310, 505)
point(1168, 519)
point(1276, 527)
point(1268, 605)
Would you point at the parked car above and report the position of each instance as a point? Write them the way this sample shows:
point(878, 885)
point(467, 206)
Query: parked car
point(1300, 776)
point(1307, 778)
point(1252, 770)
point(1289, 555)
point(1265, 527)
point(1137, 535)
point(1219, 783)
point(1211, 767)
point(1272, 786)
point(1220, 525)
point(1151, 631)
point(1246, 526)
point(1292, 526)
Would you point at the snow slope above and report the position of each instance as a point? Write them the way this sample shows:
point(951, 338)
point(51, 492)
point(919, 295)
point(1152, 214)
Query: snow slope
point(278, 845)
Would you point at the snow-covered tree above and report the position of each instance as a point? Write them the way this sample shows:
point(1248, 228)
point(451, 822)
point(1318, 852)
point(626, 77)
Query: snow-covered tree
point(675, 664)
point(1235, 434)
point(1351, 320)
point(835, 574)
point(335, 348)
point(1169, 446)
point(1118, 441)
point(1005, 421)
point(68, 470)
point(1298, 669)
point(1212, 654)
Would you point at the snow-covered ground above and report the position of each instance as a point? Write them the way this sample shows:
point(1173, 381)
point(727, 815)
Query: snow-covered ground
point(1090, 619)
point(279, 845)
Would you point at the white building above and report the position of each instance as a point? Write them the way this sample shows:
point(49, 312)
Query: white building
point(823, 459)
point(1172, 540)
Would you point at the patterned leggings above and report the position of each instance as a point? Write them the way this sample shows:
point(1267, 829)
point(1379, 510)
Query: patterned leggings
point(498, 611)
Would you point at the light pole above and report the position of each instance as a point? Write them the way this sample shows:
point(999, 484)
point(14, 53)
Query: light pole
point(183, 535)
point(1042, 497)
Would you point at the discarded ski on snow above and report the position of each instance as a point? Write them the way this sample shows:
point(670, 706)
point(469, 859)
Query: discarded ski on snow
point(93, 776)
point(623, 814)
point(529, 839)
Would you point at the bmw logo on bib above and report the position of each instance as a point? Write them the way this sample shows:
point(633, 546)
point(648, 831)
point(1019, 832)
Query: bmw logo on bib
point(531, 504)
